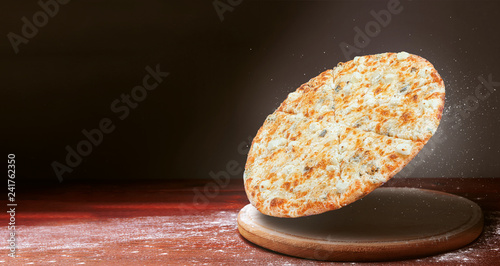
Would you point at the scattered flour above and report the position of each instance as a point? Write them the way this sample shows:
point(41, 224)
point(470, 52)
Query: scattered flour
point(172, 237)
point(474, 253)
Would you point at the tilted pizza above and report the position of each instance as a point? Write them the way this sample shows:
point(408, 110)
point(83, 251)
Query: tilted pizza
point(343, 134)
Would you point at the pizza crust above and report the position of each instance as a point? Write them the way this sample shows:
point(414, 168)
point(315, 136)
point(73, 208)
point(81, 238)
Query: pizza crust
point(343, 134)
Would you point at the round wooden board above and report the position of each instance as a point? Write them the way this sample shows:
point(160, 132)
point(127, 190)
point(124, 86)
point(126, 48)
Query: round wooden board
point(387, 224)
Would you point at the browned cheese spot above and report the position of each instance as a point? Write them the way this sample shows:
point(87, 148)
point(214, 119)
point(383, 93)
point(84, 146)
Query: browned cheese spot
point(271, 176)
point(384, 112)
point(406, 117)
point(286, 186)
point(277, 202)
point(435, 77)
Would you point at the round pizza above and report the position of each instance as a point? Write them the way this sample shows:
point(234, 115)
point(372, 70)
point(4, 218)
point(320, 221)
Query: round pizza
point(343, 134)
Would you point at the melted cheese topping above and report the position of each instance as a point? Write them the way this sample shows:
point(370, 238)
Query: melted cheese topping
point(401, 95)
point(342, 134)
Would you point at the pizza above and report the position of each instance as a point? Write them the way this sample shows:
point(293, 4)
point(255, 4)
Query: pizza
point(343, 134)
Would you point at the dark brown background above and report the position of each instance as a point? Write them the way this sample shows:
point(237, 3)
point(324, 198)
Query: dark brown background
point(225, 78)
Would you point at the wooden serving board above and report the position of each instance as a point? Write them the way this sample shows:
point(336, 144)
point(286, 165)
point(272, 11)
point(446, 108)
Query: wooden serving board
point(387, 224)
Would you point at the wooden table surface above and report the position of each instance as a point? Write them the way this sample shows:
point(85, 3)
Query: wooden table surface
point(191, 222)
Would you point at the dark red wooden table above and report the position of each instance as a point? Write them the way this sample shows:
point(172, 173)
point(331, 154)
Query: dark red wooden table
point(188, 222)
